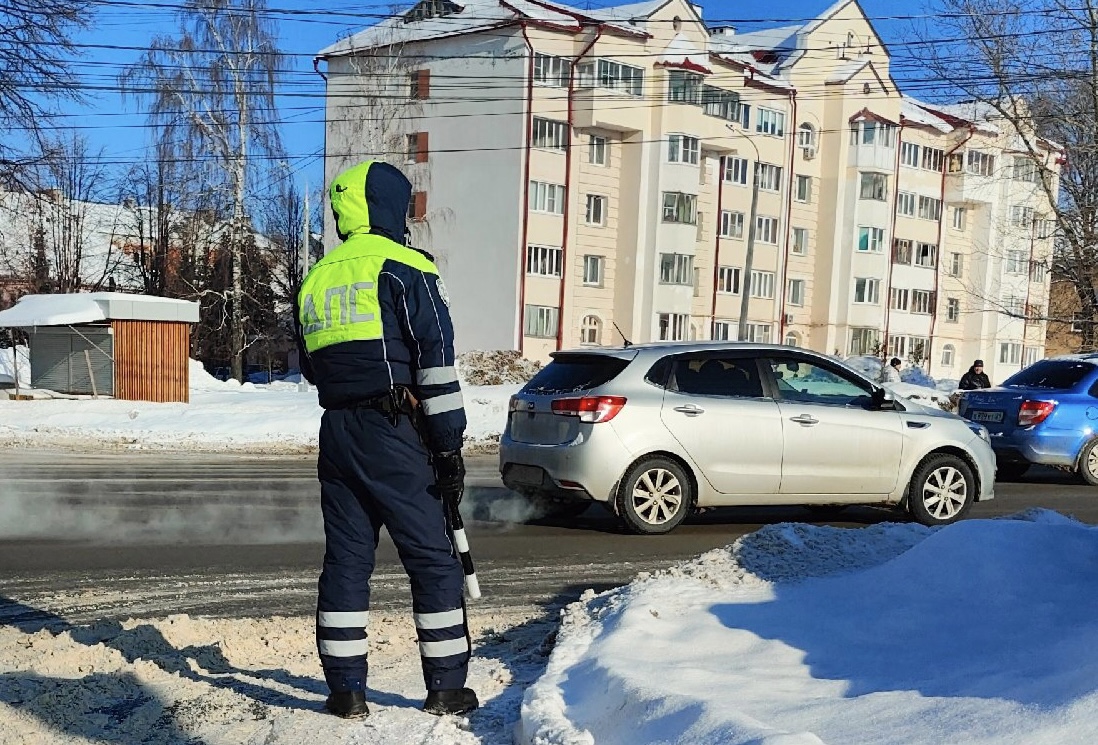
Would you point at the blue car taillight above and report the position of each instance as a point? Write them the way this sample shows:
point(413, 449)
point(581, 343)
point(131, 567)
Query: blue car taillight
point(1034, 412)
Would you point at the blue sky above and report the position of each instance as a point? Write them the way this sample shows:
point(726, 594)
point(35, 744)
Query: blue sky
point(118, 126)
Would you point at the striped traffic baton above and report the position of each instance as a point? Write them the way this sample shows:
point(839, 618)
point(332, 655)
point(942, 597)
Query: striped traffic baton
point(457, 528)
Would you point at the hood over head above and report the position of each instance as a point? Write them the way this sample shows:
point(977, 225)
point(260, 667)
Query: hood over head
point(371, 197)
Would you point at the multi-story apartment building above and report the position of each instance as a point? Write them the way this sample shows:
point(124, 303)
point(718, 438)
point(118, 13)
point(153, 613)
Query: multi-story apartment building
point(585, 177)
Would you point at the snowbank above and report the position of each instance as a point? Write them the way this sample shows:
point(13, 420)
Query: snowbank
point(7, 365)
point(800, 635)
point(222, 415)
point(500, 367)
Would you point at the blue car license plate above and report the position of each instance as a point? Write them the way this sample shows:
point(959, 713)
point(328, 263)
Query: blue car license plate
point(986, 416)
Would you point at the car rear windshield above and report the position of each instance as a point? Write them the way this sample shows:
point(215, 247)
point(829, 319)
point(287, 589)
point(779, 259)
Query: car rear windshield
point(1056, 375)
point(576, 372)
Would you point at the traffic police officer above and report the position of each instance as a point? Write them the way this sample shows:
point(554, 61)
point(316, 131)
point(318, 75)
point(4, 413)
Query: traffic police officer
point(374, 327)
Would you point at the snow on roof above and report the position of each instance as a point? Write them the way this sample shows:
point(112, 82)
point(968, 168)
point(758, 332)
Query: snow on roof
point(95, 307)
point(913, 111)
point(845, 72)
point(974, 112)
point(681, 52)
point(627, 12)
point(783, 37)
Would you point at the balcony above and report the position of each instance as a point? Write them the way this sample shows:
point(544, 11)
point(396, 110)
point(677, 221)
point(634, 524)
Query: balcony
point(874, 157)
point(970, 187)
point(601, 108)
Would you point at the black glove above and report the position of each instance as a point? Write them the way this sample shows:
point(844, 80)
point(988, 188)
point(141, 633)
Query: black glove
point(450, 475)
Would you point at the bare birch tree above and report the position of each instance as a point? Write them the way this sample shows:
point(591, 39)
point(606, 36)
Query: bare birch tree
point(1035, 64)
point(215, 83)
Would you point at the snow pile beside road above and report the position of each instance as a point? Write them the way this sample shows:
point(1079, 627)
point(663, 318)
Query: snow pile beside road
point(499, 367)
point(243, 681)
point(801, 635)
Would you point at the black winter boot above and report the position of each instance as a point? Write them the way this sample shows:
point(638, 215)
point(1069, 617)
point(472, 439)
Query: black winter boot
point(453, 701)
point(349, 705)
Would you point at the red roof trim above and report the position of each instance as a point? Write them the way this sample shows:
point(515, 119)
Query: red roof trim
point(867, 114)
point(686, 64)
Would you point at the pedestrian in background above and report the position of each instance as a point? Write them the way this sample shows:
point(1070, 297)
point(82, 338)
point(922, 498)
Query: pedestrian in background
point(890, 373)
point(975, 378)
point(376, 339)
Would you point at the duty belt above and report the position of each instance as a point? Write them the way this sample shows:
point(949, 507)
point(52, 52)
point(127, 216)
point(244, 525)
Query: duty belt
point(392, 404)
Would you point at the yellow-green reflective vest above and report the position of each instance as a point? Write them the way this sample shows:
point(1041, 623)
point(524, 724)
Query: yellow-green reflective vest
point(338, 301)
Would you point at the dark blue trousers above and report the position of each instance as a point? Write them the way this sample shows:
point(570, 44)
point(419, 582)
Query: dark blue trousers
point(375, 474)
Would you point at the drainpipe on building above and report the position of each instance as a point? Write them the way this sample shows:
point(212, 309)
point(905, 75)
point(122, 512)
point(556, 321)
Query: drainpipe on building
point(892, 231)
point(788, 216)
point(1029, 284)
point(717, 246)
point(938, 263)
point(568, 183)
point(526, 186)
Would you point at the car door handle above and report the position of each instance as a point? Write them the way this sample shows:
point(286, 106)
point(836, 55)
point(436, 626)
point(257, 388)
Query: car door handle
point(806, 419)
point(690, 409)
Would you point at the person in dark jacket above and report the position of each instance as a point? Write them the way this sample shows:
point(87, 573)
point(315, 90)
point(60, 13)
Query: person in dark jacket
point(975, 378)
point(374, 330)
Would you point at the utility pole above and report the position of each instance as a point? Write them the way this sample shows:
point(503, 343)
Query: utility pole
point(745, 285)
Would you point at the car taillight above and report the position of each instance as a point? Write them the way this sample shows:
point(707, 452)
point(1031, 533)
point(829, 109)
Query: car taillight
point(516, 404)
point(1034, 412)
point(590, 409)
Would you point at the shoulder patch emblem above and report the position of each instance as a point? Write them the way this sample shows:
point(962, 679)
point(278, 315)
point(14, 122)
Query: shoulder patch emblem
point(442, 292)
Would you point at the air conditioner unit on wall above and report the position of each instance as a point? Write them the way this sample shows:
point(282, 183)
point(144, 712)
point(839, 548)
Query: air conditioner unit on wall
point(809, 152)
point(788, 318)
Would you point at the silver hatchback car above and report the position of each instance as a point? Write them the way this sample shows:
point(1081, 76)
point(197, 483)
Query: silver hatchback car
point(656, 431)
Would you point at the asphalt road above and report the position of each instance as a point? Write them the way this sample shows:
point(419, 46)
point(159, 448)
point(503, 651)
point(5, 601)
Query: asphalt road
point(150, 534)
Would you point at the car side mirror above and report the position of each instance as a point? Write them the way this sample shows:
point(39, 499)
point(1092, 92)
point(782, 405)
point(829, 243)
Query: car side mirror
point(883, 400)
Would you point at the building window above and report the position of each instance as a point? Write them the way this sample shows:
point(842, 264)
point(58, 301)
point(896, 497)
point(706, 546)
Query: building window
point(683, 149)
point(1024, 169)
point(922, 301)
point(804, 189)
point(1030, 355)
point(550, 134)
point(792, 339)
point(676, 269)
point(980, 163)
point(930, 208)
point(745, 115)
point(731, 224)
point(898, 299)
point(910, 347)
point(867, 291)
point(926, 255)
point(684, 87)
point(735, 171)
point(768, 176)
point(679, 207)
point(874, 186)
point(871, 239)
point(1044, 228)
point(766, 229)
point(1010, 353)
point(722, 331)
point(955, 163)
point(591, 330)
point(806, 136)
point(909, 154)
point(728, 280)
point(547, 198)
point(796, 292)
point(758, 333)
point(761, 284)
point(542, 321)
point(617, 77)
point(592, 271)
point(956, 265)
point(549, 70)
point(416, 148)
point(960, 218)
point(596, 209)
point(597, 150)
point(901, 251)
point(674, 326)
point(419, 85)
point(1038, 270)
point(948, 354)
point(800, 241)
point(543, 261)
point(873, 133)
point(953, 310)
point(933, 159)
point(905, 204)
point(720, 103)
point(770, 122)
point(1015, 262)
point(864, 341)
point(1021, 216)
point(417, 206)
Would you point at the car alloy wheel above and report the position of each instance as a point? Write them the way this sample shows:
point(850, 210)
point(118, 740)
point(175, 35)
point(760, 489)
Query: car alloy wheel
point(1088, 463)
point(655, 496)
point(942, 490)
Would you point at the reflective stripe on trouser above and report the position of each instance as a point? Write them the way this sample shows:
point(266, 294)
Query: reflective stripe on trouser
point(374, 474)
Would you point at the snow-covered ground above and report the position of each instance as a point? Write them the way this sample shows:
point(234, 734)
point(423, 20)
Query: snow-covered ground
point(222, 415)
point(982, 632)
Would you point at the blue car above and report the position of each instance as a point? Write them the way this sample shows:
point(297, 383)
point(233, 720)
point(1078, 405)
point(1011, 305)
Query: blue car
point(1047, 413)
